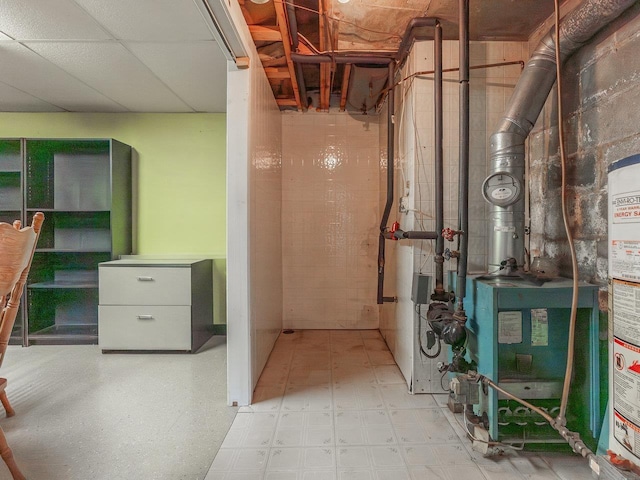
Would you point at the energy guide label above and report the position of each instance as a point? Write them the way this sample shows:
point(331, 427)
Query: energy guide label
point(625, 259)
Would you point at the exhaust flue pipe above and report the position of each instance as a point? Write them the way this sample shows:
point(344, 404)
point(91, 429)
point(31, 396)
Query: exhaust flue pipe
point(504, 187)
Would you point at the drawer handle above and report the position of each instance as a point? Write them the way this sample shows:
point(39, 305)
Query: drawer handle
point(145, 317)
point(145, 279)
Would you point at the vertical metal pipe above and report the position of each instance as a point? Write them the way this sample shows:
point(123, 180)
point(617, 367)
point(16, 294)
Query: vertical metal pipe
point(463, 179)
point(439, 161)
point(390, 179)
point(302, 87)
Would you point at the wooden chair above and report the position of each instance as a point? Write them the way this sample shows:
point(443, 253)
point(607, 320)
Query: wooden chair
point(17, 246)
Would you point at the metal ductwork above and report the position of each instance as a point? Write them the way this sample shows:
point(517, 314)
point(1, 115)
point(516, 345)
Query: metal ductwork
point(504, 187)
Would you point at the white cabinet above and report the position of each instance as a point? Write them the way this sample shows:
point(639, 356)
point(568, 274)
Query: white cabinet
point(155, 304)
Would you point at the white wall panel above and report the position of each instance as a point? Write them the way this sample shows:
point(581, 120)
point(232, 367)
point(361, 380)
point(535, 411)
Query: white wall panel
point(254, 256)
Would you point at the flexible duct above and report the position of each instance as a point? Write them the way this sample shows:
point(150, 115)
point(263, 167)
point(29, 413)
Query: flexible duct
point(504, 187)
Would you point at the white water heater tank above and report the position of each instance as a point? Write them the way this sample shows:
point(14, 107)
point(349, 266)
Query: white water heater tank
point(624, 307)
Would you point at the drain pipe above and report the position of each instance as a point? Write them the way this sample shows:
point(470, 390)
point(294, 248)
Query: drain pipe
point(504, 187)
point(397, 233)
point(293, 30)
point(439, 293)
point(391, 165)
point(410, 36)
point(338, 58)
point(463, 178)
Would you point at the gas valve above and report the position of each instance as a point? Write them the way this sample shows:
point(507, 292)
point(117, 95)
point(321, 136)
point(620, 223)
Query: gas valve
point(449, 254)
point(394, 228)
point(449, 233)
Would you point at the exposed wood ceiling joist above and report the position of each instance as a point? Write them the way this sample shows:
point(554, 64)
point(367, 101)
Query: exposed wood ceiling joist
point(281, 17)
point(325, 68)
point(363, 26)
point(265, 34)
point(277, 72)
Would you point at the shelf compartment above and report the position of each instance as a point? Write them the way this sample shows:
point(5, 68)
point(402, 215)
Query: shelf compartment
point(48, 265)
point(55, 308)
point(10, 191)
point(9, 216)
point(65, 335)
point(69, 174)
point(10, 155)
point(75, 232)
point(69, 279)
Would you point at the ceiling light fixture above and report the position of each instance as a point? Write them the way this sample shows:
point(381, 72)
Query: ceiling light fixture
point(260, 2)
point(343, 1)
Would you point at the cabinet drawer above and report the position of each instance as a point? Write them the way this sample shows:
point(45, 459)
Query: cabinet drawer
point(144, 327)
point(145, 286)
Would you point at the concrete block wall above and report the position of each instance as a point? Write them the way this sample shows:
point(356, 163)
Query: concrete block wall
point(601, 94)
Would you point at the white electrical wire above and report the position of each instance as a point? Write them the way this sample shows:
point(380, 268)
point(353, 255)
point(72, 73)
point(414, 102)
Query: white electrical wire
point(565, 218)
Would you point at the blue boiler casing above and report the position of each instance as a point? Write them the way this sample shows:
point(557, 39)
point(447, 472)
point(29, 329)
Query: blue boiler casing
point(518, 337)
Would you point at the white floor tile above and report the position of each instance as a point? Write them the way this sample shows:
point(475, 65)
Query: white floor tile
point(285, 459)
point(355, 474)
point(315, 458)
point(386, 456)
point(345, 413)
point(354, 457)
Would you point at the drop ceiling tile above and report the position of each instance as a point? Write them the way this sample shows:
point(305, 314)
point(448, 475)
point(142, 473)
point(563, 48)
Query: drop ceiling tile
point(14, 100)
point(48, 20)
point(149, 20)
point(115, 72)
point(196, 71)
point(4, 37)
point(34, 75)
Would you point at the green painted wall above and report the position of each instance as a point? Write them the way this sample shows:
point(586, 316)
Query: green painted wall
point(179, 181)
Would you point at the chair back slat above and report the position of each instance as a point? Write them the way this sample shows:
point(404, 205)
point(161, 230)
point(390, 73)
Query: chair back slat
point(17, 246)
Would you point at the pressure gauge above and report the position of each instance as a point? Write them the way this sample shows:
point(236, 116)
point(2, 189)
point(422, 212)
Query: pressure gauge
point(501, 189)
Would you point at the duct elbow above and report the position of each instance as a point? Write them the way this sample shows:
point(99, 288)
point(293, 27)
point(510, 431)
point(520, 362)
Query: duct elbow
point(507, 143)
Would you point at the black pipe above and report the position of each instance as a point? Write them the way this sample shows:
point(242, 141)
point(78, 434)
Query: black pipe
point(302, 87)
point(403, 51)
point(439, 160)
point(337, 58)
point(419, 235)
point(293, 29)
point(391, 164)
point(293, 24)
point(390, 149)
point(463, 179)
point(410, 36)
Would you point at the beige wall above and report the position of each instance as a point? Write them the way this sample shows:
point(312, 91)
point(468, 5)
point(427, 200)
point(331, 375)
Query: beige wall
point(330, 218)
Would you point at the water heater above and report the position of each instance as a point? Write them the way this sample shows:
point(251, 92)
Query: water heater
point(624, 307)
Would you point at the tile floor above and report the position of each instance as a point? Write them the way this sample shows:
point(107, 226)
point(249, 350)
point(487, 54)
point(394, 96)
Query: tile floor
point(332, 405)
point(82, 415)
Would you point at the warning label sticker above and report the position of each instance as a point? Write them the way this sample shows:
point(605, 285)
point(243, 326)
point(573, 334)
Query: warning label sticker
point(626, 364)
